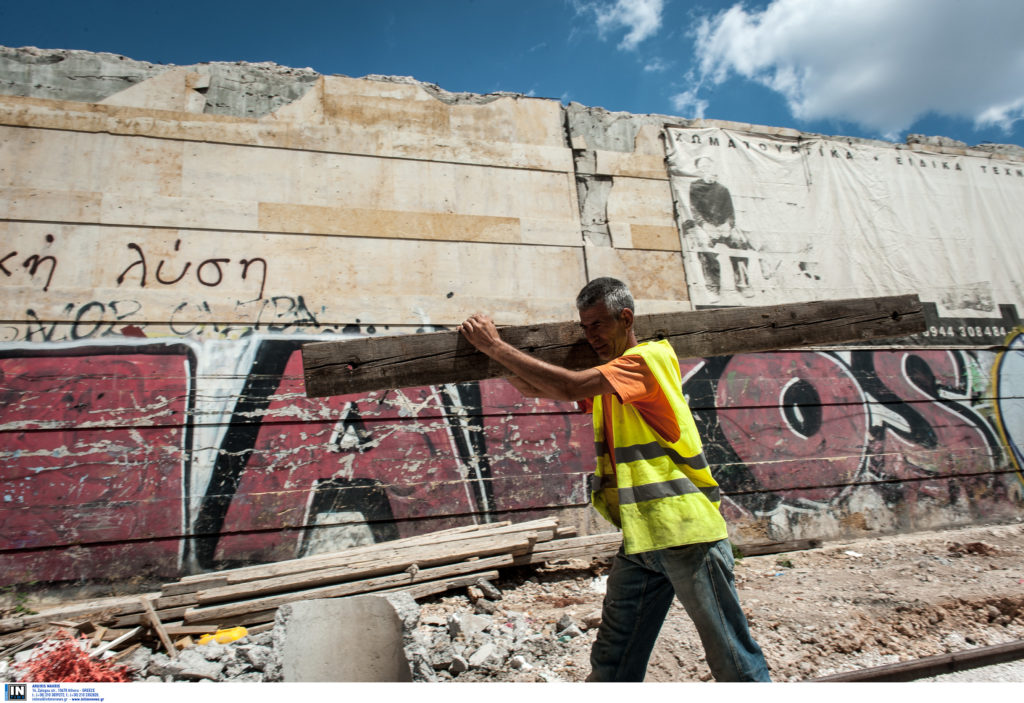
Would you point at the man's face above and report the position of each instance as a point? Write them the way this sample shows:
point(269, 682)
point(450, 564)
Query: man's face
point(606, 333)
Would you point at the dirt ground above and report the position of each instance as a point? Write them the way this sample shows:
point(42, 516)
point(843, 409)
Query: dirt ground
point(840, 607)
point(843, 606)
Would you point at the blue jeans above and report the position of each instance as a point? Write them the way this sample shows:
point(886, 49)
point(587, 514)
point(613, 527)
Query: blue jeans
point(640, 590)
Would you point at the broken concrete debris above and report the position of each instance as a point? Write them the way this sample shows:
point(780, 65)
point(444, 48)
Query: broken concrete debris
point(471, 641)
point(251, 658)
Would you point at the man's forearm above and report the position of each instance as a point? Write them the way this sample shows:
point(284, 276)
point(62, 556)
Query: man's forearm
point(554, 382)
point(527, 389)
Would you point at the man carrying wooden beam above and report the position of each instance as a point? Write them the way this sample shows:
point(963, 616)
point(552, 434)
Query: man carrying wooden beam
point(652, 481)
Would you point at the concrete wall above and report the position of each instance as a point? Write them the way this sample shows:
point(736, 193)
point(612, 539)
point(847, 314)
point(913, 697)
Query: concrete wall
point(172, 235)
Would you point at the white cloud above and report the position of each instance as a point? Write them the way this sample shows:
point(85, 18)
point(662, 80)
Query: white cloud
point(1002, 116)
point(878, 63)
point(656, 66)
point(689, 104)
point(642, 19)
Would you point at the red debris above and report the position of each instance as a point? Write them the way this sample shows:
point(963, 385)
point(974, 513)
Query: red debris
point(68, 661)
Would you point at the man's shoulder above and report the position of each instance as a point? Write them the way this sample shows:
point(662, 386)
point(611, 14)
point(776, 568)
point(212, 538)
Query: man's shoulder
point(660, 358)
point(653, 349)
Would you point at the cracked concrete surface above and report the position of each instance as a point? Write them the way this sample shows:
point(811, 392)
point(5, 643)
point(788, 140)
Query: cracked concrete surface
point(238, 89)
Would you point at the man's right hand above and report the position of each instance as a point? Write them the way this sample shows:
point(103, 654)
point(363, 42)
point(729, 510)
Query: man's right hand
point(480, 331)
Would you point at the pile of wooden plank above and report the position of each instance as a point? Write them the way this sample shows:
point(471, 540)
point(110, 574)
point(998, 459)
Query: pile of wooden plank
point(250, 596)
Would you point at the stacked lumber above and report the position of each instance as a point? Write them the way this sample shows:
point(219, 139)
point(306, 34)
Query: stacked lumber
point(250, 596)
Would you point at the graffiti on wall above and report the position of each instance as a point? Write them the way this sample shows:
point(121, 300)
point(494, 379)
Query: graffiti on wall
point(382, 463)
point(209, 272)
point(286, 475)
point(38, 267)
point(1008, 387)
point(803, 431)
point(95, 451)
point(155, 457)
point(38, 262)
point(116, 318)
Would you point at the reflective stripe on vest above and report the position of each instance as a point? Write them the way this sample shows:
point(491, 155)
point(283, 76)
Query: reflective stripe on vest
point(652, 491)
point(651, 450)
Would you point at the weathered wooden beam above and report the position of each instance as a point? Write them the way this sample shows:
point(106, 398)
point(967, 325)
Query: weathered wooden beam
point(599, 546)
point(97, 636)
point(140, 618)
point(599, 540)
point(543, 528)
point(115, 642)
point(429, 588)
point(421, 558)
point(123, 654)
point(265, 618)
point(219, 612)
point(480, 538)
point(185, 587)
point(375, 363)
point(158, 627)
point(100, 609)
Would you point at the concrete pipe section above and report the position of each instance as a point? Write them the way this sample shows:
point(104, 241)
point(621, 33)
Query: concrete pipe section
point(341, 639)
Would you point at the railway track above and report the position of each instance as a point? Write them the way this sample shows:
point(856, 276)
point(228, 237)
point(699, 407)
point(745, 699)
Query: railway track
point(927, 667)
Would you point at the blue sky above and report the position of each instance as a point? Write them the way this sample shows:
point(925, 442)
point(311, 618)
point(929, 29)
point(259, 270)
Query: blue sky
point(862, 68)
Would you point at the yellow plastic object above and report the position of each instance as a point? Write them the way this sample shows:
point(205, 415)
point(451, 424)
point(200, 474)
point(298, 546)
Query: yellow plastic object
point(225, 636)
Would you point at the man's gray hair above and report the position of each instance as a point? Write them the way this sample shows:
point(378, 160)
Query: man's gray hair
point(610, 291)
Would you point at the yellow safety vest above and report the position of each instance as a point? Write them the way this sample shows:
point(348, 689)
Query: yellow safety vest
point(666, 494)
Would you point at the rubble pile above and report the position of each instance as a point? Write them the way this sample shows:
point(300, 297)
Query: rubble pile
point(475, 638)
point(249, 659)
point(246, 660)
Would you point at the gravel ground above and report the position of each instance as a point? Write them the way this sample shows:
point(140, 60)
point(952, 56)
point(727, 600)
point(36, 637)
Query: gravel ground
point(1011, 672)
point(841, 607)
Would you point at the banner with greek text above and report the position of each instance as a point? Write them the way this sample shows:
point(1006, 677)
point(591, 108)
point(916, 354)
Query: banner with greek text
point(787, 219)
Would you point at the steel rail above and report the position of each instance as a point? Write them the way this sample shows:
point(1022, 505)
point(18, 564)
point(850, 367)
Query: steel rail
point(927, 667)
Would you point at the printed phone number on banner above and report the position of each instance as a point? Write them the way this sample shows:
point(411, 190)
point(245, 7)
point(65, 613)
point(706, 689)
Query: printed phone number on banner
point(971, 331)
